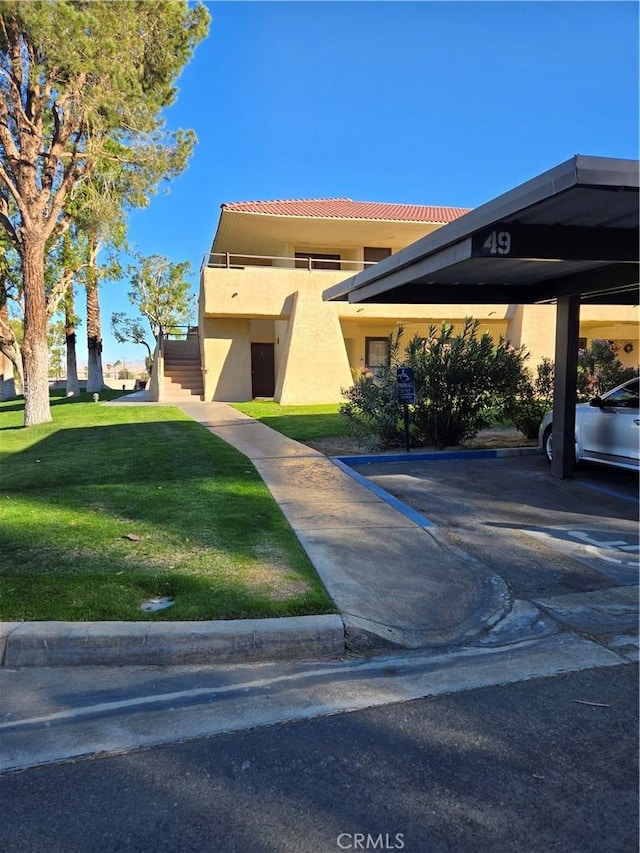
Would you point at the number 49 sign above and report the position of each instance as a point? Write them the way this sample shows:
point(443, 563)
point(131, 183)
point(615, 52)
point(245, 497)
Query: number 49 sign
point(498, 243)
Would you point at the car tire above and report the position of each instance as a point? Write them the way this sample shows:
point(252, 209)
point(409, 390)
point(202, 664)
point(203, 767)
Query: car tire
point(547, 444)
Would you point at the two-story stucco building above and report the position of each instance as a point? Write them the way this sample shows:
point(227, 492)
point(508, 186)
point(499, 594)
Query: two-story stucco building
point(265, 331)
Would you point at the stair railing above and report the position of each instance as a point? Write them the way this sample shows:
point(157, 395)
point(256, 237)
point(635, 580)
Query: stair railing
point(179, 333)
point(170, 333)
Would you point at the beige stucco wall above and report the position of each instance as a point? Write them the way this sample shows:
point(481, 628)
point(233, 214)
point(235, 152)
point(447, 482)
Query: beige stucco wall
point(7, 384)
point(226, 351)
point(535, 327)
point(155, 387)
point(316, 344)
point(355, 332)
point(260, 292)
point(314, 367)
point(620, 324)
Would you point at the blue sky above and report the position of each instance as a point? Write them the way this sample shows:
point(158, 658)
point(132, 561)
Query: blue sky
point(442, 103)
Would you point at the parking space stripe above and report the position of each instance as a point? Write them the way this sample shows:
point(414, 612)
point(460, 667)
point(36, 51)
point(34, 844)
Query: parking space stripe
point(610, 492)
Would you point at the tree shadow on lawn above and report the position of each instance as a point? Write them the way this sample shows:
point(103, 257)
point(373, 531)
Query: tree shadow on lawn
point(196, 509)
point(119, 454)
point(57, 398)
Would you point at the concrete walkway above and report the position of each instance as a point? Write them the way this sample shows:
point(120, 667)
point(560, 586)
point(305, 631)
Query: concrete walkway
point(395, 582)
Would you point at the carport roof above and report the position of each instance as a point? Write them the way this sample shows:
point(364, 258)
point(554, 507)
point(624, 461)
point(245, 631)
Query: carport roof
point(572, 230)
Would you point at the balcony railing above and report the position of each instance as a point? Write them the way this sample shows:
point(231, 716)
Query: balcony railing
point(226, 260)
point(179, 333)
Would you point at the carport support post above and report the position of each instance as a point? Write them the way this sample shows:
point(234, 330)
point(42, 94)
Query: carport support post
point(564, 391)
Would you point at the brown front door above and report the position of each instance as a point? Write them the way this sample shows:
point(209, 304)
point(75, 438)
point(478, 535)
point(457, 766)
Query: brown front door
point(263, 378)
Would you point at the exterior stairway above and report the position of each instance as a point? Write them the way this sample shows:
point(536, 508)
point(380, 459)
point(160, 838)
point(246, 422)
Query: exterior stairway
point(182, 370)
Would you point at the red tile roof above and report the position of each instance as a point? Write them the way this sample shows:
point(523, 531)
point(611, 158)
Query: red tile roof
point(345, 208)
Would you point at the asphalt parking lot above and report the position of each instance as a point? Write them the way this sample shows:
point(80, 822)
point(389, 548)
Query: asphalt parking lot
point(542, 535)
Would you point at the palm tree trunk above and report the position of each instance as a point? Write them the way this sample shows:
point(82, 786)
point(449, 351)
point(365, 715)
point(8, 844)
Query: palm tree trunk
point(95, 379)
point(73, 386)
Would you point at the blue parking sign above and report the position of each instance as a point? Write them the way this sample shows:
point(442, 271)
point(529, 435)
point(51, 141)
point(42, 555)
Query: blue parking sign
point(406, 385)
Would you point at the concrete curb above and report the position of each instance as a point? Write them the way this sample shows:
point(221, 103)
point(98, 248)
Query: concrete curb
point(437, 455)
point(170, 643)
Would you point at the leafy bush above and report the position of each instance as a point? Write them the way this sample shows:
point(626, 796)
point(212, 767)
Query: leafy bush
point(372, 411)
point(600, 369)
point(462, 383)
point(532, 399)
point(458, 380)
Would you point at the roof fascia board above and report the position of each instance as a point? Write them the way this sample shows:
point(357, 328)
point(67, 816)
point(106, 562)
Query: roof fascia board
point(525, 294)
point(607, 172)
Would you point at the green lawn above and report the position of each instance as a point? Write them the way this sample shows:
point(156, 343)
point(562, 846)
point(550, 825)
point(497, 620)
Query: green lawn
point(207, 531)
point(302, 423)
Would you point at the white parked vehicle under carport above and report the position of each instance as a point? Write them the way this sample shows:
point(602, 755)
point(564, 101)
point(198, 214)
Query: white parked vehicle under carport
point(607, 428)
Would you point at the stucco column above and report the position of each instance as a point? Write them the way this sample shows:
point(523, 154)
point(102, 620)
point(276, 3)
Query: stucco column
point(314, 367)
point(226, 351)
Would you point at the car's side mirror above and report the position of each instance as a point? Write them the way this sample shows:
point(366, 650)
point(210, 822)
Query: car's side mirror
point(597, 402)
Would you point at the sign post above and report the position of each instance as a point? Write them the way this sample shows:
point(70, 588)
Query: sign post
point(406, 395)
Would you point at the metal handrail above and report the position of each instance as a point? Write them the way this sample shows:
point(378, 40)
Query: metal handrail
point(179, 332)
point(228, 260)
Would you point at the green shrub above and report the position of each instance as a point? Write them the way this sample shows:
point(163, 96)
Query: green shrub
point(532, 399)
point(463, 383)
point(459, 379)
point(372, 411)
point(600, 369)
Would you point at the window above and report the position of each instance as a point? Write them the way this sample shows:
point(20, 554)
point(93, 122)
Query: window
point(376, 354)
point(374, 254)
point(625, 397)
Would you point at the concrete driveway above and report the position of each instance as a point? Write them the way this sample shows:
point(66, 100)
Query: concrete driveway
point(557, 543)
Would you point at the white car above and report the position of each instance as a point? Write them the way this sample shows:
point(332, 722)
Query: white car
point(607, 429)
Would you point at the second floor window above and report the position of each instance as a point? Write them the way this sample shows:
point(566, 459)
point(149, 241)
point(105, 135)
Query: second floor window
point(374, 254)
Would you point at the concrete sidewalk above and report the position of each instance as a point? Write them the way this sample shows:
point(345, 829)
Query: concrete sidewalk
point(395, 582)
